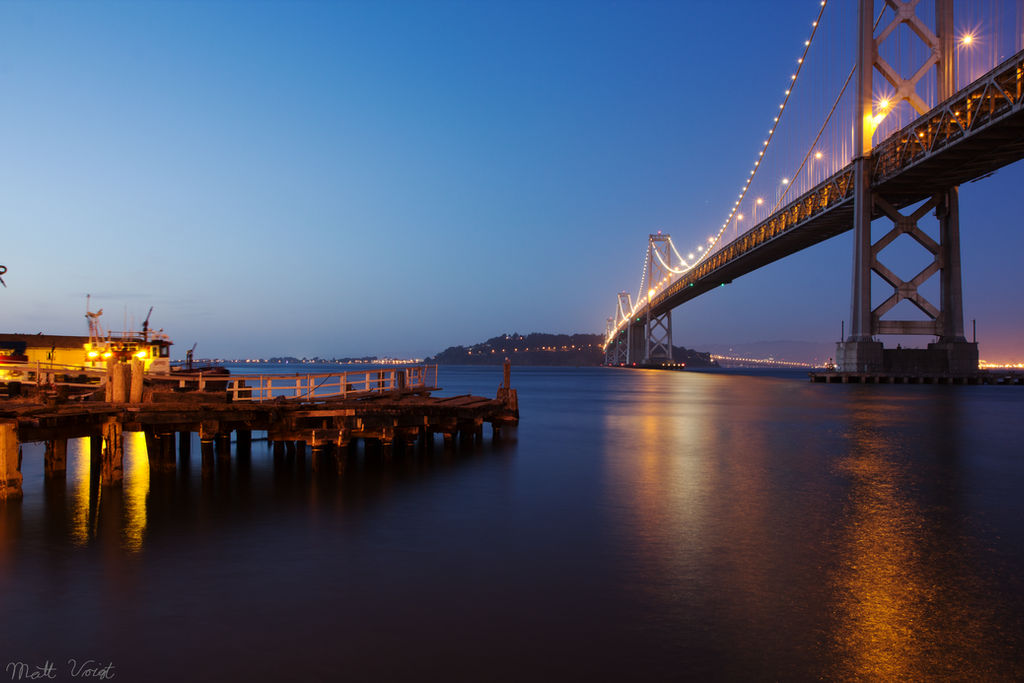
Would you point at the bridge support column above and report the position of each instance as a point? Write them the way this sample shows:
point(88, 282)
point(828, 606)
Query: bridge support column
point(958, 354)
point(636, 343)
point(860, 352)
point(619, 348)
point(658, 348)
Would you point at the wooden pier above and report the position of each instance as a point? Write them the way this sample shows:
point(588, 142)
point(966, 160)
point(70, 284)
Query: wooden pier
point(392, 408)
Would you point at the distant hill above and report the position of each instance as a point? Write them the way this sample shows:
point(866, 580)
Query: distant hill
point(538, 348)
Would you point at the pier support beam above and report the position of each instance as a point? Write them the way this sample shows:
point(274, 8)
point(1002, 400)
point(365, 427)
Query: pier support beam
point(243, 442)
point(206, 449)
point(222, 443)
point(56, 458)
point(168, 461)
point(10, 462)
point(95, 455)
point(112, 463)
point(184, 445)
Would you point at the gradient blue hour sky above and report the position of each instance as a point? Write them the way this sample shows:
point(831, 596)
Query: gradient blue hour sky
point(349, 178)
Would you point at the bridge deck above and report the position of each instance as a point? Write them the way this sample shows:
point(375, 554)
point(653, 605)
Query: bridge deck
point(969, 136)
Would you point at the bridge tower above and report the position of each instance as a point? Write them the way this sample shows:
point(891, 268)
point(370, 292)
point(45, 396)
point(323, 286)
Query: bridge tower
point(621, 345)
point(609, 349)
point(657, 328)
point(860, 352)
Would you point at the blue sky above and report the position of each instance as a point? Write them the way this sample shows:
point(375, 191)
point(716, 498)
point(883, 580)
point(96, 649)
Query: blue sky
point(348, 178)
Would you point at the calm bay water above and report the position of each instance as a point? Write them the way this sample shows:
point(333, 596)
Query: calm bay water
point(640, 525)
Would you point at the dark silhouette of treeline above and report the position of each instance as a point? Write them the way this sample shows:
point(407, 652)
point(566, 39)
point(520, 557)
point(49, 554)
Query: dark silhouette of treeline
point(538, 348)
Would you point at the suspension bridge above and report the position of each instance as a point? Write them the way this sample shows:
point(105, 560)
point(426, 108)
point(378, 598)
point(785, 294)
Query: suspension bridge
point(935, 102)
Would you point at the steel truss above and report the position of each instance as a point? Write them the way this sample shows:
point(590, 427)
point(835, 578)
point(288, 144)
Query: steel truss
point(658, 328)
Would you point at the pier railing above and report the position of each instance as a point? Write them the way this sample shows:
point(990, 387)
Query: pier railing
point(262, 387)
point(314, 386)
point(46, 373)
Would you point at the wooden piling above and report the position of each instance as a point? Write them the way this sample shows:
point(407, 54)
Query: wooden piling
point(243, 442)
point(95, 454)
point(55, 462)
point(112, 464)
point(119, 375)
point(222, 444)
point(136, 371)
point(10, 474)
point(168, 461)
point(184, 445)
point(152, 446)
point(206, 448)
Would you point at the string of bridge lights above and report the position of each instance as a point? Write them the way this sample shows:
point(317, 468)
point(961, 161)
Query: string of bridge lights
point(702, 252)
point(771, 131)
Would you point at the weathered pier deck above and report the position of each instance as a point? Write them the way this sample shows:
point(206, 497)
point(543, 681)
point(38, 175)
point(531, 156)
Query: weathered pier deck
point(392, 408)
